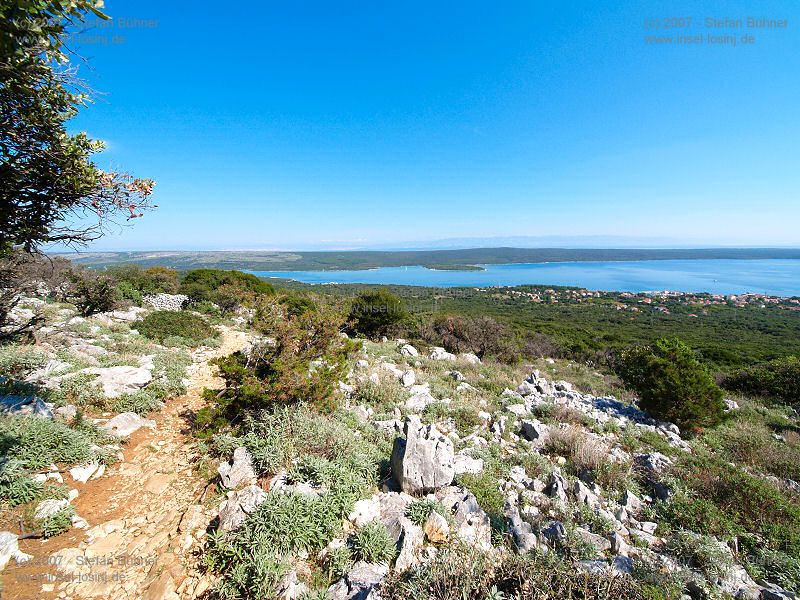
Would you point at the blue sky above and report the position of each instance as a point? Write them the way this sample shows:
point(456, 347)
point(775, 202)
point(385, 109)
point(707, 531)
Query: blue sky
point(351, 124)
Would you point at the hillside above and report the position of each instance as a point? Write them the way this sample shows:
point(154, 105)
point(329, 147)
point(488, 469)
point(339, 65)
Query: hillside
point(264, 448)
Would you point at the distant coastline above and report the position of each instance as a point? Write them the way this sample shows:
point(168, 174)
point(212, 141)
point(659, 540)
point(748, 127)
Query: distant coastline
point(469, 259)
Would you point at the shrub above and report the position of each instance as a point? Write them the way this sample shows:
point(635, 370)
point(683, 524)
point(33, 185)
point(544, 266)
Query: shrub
point(302, 362)
point(672, 384)
point(201, 284)
point(376, 313)
point(484, 336)
point(778, 379)
point(38, 442)
point(332, 454)
point(140, 402)
point(467, 573)
point(153, 280)
point(251, 571)
point(297, 304)
point(373, 544)
point(126, 291)
point(92, 293)
point(774, 566)
point(58, 522)
point(162, 324)
point(724, 500)
point(337, 562)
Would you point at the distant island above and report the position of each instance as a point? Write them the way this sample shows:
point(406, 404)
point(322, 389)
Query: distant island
point(465, 259)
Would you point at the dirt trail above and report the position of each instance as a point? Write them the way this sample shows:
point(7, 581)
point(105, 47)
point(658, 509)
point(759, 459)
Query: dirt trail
point(146, 517)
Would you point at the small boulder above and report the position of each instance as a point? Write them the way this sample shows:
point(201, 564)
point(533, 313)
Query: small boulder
point(469, 358)
point(124, 379)
point(9, 549)
point(534, 430)
point(438, 353)
point(124, 424)
point(408, 350)
point(408, 378)
point(239, 471)
point(47, 508)
point(411, 539)
point(238, 505)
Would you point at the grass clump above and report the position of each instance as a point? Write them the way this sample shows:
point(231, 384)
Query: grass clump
point(16, 486)
point(337, 562)
point(419, 510)
point(722, 500)
point(701, 553)
point(373, 544)
point(163, 324)
point(466, 573)
point(37, 442)
point(775, 566)
point(316, 449)
point(58, 523)
point(18, 360)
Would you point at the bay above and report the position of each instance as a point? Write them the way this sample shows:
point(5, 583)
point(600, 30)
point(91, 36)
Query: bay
point(778, 277)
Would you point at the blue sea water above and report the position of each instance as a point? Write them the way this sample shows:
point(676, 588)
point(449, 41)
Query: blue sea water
point(779, 277)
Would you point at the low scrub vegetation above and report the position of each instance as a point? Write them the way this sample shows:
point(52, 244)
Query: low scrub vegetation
point(778, 379)
point(164, 325)
point(462, 572)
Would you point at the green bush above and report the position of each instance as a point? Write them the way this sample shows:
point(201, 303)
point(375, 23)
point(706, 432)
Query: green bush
point(302, 362)
point(775, 566)
point(700, 552)
point(373, 544)
point(482, 335)
point(779, 379)
point(419, 510)
point(126, 291)
point(337, 562)
point(672, 384)
point(163, 324)
point(92, 293)
point(722, 500)
point(203, 284)
point(153, 280)
point(58, 523)
point(325, 451)
point(376, 313)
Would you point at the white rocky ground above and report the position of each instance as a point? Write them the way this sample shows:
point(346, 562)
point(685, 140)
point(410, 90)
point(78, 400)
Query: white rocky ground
point(427, 458)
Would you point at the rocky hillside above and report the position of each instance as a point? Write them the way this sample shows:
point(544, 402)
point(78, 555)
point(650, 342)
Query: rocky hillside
point(424, 474)
point(494, 481)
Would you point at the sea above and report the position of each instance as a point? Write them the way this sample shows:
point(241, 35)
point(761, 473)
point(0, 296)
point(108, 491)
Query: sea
point(776, 277)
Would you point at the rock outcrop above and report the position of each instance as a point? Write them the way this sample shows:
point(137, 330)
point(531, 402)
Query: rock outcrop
point(422, 462)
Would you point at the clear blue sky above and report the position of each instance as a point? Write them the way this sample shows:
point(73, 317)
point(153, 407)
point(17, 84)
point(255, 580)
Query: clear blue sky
point(343, 124)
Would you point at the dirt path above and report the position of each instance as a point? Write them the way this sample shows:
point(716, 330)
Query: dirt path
point(146, 515)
